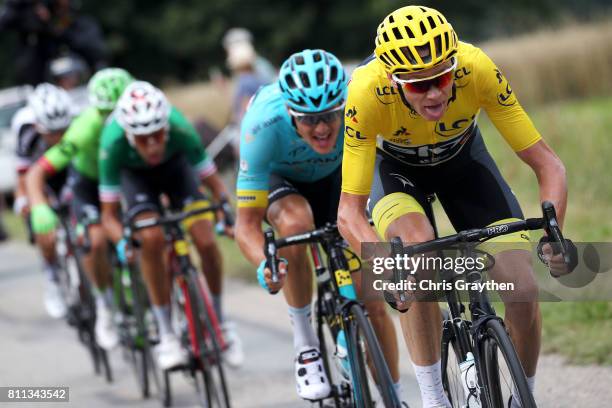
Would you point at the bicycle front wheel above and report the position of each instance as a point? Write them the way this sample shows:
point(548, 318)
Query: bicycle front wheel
point(360, 334)
point(209, 376)
point(501, 369)
point(451, 373)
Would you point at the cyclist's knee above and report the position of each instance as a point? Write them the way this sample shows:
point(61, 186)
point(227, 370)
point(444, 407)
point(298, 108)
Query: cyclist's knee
point(152, 239)
point(412, 227)
point(97, 239)
point(291, 215)
point(377, 310)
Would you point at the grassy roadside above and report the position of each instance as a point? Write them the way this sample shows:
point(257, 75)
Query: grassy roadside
point(578, 132)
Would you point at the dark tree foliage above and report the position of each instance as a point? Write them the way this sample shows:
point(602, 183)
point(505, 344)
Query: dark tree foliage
point(181, 39)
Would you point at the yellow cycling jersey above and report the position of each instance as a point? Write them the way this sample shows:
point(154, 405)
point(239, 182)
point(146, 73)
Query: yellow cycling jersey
point(376, 117)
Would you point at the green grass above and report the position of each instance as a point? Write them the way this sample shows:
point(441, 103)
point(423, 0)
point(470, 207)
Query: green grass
point(579, 132)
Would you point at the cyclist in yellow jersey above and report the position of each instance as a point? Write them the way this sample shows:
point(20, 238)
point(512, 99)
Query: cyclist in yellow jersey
point(410, 131)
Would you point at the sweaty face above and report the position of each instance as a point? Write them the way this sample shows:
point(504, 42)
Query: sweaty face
point(151, 147)
point(432, 103)
point(320, 131)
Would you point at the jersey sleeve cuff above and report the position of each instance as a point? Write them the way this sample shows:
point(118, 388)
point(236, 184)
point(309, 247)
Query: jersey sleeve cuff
point(46, 165)
point(252, 198)
point(206, 168)
point(109, 194)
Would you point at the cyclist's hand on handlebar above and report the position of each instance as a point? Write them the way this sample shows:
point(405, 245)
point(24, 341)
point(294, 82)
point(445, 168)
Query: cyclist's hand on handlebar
point(551, 255)
point(44, 219)
point(264, 276)
point(222, 228)
point(124, 253)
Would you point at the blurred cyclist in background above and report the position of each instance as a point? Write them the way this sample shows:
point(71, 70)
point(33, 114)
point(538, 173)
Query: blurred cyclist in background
point(148, 149)
point(78, 151)
point(38, 126)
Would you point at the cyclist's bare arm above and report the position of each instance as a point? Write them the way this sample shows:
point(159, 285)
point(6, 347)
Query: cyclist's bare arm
point(216, 186)
point(110, 220)
point(352, 221)
point(550, 172)
point(248, 233)
point(35, 184)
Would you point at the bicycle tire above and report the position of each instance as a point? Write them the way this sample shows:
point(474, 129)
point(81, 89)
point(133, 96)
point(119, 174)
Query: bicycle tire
point(341, 395)
point(450, 359)
point(359, 328)
point(82, 306)
point(210, 362)
point(496, 343)
point(142, 354)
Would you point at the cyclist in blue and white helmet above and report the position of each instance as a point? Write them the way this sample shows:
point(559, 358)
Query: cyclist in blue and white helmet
point(291, 143)
point(313, 87)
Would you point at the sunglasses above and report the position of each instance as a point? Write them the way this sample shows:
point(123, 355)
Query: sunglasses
point(422, 85)
point(313, 119)
point(155, 138)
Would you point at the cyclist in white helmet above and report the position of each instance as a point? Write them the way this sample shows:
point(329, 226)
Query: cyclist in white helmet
point(38, 126)
point(148, 149)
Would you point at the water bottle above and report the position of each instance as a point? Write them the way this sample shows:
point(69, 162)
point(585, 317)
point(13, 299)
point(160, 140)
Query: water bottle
point(342, 355)
point(469, 379)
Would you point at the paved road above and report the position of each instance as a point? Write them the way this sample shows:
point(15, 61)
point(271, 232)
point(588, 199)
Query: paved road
point(35, 350)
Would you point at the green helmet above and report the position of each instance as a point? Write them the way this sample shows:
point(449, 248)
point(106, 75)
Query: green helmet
point(106, 86)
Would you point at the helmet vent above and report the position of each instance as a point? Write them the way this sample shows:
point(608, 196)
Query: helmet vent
point(421, 50)
point(423, 29)
point(440, 18)
point(409, 16)
point(316, 101)
point(316, 57)
point(397, 57)
point(423, 9)
point(299, 60)
point(432, 23)
point(290, 81)
point(385, 58)
point(409, 31)
point(333, 74)
point(406, 51)
point(305, 80)
point(438, 45)
point(385, 37)
point(397, 34)
point(319, 76)
point(446, 39)
point(391, 19)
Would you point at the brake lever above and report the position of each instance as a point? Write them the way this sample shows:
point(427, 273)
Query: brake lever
point(551, 226)
point(270, 252)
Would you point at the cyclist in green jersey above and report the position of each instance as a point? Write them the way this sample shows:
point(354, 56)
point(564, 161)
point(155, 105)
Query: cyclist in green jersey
point(78, 150)
point(147, 150)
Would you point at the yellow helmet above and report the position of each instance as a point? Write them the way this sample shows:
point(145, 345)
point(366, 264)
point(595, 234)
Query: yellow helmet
point(405, 35)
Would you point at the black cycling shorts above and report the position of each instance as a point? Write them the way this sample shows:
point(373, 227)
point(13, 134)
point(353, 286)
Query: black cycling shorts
point(323, 195)
point(175, 178)
point(85, 202)
point(470, 188)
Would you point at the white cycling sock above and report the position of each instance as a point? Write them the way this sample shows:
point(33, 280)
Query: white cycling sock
point(303, 333)
point(50, 269)
point(516, 400)
point(104, 297)
point(162, 315)
point(430, 384)
point(398, 390)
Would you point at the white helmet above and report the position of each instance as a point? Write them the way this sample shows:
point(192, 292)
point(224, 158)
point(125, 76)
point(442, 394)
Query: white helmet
point(52, 107)
point(235, 36)
point(142, 109)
